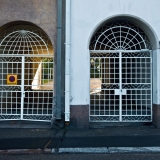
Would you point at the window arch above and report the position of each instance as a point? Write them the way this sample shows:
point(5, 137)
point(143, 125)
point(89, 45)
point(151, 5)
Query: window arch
point(25, 39)
point(120, 35)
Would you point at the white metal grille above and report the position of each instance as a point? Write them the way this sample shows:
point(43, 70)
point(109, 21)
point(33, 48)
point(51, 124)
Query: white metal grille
point(120, 79)
point(26, 54)
point(120, 35)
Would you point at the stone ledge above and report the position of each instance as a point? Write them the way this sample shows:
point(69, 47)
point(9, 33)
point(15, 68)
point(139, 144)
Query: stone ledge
point(26, 151)
point(83, 150)
point(133, 149)
point(109, 150)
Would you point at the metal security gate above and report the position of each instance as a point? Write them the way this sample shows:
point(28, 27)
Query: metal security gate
point(31, 97)
point(120, 74)
point(10, 95)
point(38, 88)
point(122, 88)
point(26, 83)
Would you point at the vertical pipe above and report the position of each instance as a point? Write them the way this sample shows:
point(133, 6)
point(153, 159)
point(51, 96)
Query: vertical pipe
point(58, 60)
point(67, 60)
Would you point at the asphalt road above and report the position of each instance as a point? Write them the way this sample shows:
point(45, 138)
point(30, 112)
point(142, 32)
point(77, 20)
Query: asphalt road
point(118, 156)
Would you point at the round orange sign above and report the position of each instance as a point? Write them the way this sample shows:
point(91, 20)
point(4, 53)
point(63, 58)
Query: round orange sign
point(11, 78)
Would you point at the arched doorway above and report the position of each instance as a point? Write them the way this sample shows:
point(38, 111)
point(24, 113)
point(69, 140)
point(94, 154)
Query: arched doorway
point(26, 71)
point(120, 74)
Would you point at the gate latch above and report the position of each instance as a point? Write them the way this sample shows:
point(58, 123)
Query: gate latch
point(120, 92)
point(23, 94)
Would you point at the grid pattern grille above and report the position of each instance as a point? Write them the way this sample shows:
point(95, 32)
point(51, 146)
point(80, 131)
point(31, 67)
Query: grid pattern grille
point(27, 54)
point(120, 74)
point(37, 88)
point(120, 87)
point(10, 96)
point(120, 35)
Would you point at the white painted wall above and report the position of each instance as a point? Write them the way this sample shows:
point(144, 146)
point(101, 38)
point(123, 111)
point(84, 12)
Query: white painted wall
point(85, 16)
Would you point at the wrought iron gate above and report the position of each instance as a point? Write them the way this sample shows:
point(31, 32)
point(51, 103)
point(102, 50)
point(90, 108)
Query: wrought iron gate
point(121, 86)
point(120, 74)
point(27, 60)
point(31, 97)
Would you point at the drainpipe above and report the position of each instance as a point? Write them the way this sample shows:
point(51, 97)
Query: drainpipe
point(67, 60)
point(59, 62)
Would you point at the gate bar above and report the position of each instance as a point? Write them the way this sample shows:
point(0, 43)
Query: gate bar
point(120, 86)
point(19, 55)
point(116, 51)
point(22, 87)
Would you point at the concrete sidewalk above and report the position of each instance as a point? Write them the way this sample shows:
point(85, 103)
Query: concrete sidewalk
point(70, 140)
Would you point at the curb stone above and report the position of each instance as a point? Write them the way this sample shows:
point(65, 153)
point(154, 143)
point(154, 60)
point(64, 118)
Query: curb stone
point(84, 150)
point(109, 150)
point(26, 151)
point(134, 149)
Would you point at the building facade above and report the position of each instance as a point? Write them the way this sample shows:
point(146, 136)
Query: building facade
point(114, 61)
point(80, 62)
point(28, 39)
